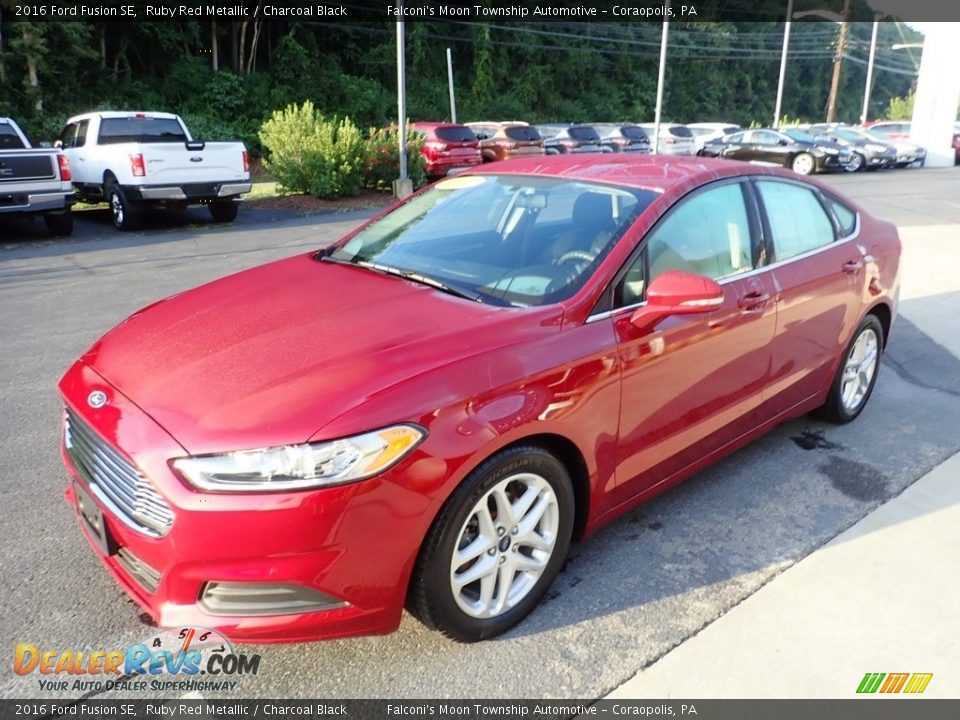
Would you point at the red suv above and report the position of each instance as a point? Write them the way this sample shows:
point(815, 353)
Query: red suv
point(447, 147)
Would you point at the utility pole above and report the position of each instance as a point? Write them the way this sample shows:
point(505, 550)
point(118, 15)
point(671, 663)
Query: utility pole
point(402, 186)
point(453, 98)
point(660, 77)
point(873, 52)
point(838, 64)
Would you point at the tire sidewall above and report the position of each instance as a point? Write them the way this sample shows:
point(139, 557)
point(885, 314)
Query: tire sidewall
point(114, 190)
point(435, 573)
point(838, 409)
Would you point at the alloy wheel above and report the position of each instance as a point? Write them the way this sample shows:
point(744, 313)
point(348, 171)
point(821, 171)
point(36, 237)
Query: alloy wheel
point(505, 545)
point(859, 370)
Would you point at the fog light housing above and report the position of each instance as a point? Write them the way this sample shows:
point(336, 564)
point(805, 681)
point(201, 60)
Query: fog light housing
point(242, 598)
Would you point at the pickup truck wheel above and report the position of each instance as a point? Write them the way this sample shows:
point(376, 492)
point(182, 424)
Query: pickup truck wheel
point(224, 211)
point(125, 215)
point(59, 224)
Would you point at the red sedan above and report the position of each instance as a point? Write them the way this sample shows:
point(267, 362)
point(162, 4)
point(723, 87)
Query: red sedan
point(426, 413)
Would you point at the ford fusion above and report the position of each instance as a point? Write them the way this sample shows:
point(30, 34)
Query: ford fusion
point(426, 413)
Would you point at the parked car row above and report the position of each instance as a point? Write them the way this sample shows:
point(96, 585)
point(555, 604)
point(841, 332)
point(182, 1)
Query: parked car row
point(806, 149)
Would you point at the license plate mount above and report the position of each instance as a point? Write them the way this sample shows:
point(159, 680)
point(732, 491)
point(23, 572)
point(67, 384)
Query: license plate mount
point(92, 517)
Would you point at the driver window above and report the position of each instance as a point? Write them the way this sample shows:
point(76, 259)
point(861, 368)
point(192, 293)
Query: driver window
point(68, 136)
point(707, 234)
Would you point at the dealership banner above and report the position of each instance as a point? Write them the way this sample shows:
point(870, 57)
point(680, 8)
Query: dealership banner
point(858, 709)
point(476, 10)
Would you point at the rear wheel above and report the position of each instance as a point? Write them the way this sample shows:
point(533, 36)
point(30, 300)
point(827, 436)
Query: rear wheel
point(496, 546)
point(59, 224)
point(224, 211)
point(126, 214)
point(857, 373)
point(803, 164)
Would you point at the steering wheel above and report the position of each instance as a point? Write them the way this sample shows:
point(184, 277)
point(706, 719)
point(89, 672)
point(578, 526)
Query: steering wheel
point(575, 255)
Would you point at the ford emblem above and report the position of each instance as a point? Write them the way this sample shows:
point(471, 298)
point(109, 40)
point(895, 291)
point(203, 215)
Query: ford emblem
point(97, 399)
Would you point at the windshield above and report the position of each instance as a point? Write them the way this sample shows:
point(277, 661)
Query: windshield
point(799, 135)
point(848, 135)
point(507, 240)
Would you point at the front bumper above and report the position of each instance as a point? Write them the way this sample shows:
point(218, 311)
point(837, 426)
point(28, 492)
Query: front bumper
point(328, 541)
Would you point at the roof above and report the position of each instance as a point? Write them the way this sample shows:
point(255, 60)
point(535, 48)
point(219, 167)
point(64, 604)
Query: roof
point(121, 114)
point(652, 172)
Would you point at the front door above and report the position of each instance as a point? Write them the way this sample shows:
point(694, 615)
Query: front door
point(694, 383)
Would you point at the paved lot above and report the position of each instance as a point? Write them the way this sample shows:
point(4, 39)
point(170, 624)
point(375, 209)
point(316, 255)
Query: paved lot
point(627, 596)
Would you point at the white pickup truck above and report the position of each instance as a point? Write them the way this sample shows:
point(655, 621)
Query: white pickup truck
point(34, 182)
point(135, 159)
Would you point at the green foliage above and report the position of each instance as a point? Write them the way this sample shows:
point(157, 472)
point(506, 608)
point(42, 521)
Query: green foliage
point(310, 153)
point(383, 159)
point(901, 108)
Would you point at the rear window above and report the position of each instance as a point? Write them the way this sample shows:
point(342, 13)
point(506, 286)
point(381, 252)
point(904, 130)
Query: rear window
point(142, 130)
point(453, 133)
point(9, 140)
point(681, 131)
point(522, 133)
point(584, 134)
point(634, 133)
point(730, 129)
point(845, 216)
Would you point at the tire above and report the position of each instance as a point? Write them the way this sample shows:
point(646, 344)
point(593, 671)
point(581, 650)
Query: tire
point(125, 214)
point(857, 162)
point(803, 164)
point(59, 224)
point(224, 211)
point(472, 518)
point(854, 381)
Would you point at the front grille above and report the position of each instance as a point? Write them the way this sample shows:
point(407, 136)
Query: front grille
point(136, 568)
point(115, 480)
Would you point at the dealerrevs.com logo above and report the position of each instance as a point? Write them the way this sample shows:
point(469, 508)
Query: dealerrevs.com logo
point(182, 659)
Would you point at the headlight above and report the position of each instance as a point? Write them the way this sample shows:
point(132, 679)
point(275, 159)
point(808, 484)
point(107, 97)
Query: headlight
point(295, 467)
point(875, 148)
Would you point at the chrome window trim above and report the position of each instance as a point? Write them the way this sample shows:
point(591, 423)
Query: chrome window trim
point(763, 268)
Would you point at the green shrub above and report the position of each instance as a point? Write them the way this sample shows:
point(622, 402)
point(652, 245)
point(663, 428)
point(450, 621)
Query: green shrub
point(310, 153)
point(901, 108)
point(383, 159)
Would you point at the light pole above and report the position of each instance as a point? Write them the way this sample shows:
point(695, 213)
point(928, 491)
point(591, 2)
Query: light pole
point(453, 99)
point(402, 186)
point(783, 65)
point(868, 88)
point(660, 77)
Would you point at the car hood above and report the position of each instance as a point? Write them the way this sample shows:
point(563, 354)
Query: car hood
point(270, 355)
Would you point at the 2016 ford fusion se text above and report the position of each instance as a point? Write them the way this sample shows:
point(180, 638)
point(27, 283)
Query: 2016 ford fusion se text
point(428, 412)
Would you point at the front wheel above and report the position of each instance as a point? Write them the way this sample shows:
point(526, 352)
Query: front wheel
point(224, 211)
point(857, 373)
point(496, 546)
point(856, 163)
point(803, 164)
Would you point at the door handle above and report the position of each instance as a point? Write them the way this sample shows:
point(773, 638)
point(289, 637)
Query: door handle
point(852, 267)
point(753, 300)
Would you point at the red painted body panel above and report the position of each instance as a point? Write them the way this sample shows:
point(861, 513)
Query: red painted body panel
point(301, 350)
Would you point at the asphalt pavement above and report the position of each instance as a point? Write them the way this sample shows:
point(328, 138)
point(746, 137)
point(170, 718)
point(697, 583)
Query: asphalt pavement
point(627, 596)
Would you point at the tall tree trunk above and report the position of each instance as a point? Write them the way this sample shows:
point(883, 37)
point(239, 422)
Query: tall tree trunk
point(252, 60)
point(102, 32)
point(3, 67)
point(214, 47)
point(33, 78)
point(242, 43)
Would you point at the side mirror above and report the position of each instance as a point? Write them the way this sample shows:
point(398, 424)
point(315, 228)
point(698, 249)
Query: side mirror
point(677, 292)
point(781, 141)
point(58, 144)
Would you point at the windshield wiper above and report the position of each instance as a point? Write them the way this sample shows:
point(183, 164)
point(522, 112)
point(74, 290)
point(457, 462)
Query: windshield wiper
point(418, 278)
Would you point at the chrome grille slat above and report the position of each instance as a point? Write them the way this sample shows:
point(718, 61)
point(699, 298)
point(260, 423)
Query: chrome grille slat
point(132, 497)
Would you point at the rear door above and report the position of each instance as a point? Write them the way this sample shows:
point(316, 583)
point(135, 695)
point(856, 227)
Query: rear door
point(819, 278)
point(696, 382)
